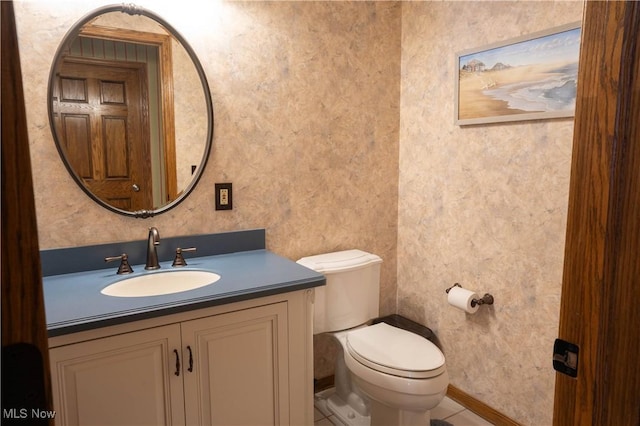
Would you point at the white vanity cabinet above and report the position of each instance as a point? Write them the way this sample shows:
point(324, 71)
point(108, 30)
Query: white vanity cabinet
point(245, 363)
point(122, 379)
point(240, 368)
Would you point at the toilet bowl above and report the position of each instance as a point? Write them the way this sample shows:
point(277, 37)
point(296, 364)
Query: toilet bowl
point(384, 375)
point(403, 374)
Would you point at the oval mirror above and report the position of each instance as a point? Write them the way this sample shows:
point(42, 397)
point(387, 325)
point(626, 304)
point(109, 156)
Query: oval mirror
point(130, 110)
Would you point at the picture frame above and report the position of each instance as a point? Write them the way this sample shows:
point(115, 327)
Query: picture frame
point(532, 77)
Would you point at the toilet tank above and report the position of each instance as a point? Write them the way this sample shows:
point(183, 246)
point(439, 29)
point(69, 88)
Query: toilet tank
point(351, 295)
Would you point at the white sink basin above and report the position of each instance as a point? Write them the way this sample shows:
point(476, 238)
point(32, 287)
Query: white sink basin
point(159, 283)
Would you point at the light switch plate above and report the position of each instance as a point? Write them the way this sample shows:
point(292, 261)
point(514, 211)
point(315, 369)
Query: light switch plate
point(224, 196)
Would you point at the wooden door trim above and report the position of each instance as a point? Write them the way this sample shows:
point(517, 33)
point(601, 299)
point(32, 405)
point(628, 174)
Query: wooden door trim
point(600, 282)
point(23, 314)
point(164, 44)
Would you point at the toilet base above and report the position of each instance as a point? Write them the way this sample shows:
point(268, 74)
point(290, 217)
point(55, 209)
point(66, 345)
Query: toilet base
point(382, 415)
point(330, 403)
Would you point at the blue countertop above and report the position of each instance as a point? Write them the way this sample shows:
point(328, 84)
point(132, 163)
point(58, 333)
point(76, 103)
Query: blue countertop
point(73, 301)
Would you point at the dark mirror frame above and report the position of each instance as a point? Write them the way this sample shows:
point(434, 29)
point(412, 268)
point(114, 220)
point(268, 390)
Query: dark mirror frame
point(131, 9)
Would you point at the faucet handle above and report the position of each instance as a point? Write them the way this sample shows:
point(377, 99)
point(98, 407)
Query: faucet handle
point(124, 267)
point(179, 260)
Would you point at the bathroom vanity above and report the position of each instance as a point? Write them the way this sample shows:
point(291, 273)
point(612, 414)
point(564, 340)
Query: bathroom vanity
point(238, 351)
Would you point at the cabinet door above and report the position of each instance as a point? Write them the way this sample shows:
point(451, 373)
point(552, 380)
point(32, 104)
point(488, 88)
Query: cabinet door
point(128, 379)
point(240, 368)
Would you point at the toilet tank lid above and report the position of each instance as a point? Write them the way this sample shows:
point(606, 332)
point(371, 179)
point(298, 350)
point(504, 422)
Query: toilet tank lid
point(339, 261)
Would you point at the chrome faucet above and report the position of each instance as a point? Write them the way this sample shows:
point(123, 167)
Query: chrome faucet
point(152, 253)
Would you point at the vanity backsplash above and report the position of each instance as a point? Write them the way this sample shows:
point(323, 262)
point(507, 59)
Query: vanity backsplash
point(89, 258)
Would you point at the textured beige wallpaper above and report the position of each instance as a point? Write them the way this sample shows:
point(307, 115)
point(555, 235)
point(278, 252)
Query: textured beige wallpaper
point(484, 206)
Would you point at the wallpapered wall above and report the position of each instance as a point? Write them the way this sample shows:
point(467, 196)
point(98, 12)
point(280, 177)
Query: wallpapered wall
point(333, 140)
point(484, 206)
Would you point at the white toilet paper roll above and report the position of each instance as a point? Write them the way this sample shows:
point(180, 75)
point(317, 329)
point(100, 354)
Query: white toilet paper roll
point(461, 298)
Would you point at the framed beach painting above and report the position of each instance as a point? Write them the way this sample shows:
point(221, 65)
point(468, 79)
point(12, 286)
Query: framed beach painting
point(528, 78)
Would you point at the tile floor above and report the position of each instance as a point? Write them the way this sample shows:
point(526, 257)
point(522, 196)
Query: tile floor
point(448, 410)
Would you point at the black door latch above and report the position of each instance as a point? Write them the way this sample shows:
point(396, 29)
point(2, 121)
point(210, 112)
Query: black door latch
point(565, 357)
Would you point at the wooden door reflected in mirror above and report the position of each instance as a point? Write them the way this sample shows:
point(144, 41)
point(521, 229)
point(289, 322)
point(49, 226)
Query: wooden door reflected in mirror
point(133, 137)
point(101, 126)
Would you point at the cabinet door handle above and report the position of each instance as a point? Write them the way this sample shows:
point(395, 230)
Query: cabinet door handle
point(190, 360)
point(177, 373)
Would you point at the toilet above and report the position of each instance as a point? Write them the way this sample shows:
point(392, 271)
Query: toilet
point(384, 375)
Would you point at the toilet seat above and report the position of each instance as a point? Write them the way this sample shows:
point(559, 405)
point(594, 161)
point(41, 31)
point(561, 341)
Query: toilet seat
point(394, 351)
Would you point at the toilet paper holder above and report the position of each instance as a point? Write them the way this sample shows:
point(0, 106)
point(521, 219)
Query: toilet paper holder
point(487, 299)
